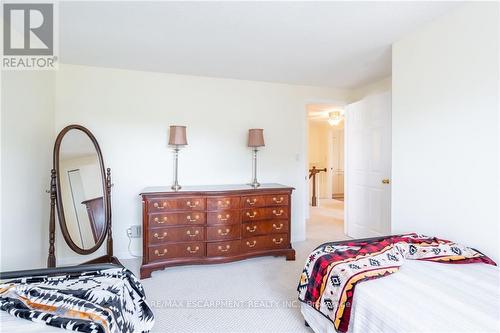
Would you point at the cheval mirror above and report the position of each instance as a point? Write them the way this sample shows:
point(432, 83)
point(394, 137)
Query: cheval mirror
point(80, 191)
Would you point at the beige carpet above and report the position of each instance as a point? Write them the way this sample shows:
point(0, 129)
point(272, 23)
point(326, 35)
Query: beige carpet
point(254, 295)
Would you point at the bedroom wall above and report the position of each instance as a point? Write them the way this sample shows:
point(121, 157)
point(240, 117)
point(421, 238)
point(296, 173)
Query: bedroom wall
point(27, 134)
point(130, 111)
point(445, 128)
point(378, 86)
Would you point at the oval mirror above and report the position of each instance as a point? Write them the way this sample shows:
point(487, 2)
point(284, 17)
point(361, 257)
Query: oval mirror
point(81, 189)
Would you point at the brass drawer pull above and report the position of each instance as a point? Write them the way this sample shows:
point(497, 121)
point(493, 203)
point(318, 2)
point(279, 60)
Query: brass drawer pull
point(252, 229)
point(222, 204)
point(253, 243)
point(190, 219)
point(196, 233)
point(223, 233)
point(278, 201)
point(220, 248)
point(252, 202)
point(278, 214)
point(160, 237)
point(163, 220)
point(223, 218)
point(157, 205)
point(192, 205)
point(278, 228)
point(278, 242)
point(157, 253)
point(254, 214)
point(192, 251)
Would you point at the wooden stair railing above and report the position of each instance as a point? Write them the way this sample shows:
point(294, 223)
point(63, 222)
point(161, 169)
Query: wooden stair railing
point(312, 173)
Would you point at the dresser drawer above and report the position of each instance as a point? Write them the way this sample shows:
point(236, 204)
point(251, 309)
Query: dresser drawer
point(221, 249)
point(268, 242)
point(253, 201)
point(162, 220)
point(223, 217)
point(175, 234)
point(220, 203)
point(162, 205)
point(178, 250)
point(255, 214)
point(250, 229)
point(223, 232)
point(276, 200)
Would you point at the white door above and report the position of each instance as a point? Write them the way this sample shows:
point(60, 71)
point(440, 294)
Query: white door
point(368, 167)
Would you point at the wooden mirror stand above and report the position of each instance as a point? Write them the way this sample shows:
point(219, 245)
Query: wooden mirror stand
point(56, 198)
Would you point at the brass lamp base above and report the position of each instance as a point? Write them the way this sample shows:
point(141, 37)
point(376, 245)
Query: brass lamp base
point(176, 187)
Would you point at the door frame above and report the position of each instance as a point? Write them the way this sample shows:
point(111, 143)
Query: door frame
point(305, 149)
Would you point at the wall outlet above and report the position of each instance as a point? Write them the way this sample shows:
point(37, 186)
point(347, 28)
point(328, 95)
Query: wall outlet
point(134, 231)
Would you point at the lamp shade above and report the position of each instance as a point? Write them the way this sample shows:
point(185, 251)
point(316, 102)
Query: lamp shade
point(255, 137)
point(177, 136)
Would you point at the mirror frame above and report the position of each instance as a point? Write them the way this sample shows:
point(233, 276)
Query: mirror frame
point(60, 207)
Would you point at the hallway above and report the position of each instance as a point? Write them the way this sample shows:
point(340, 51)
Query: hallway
point(326, 222)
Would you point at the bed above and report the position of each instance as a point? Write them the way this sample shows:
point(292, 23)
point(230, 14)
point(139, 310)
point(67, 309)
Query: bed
point(422, 296)
point(87, 298)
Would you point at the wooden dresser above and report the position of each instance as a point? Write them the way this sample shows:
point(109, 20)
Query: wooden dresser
point(214, 224)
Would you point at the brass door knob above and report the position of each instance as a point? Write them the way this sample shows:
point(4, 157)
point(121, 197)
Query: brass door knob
point(386, 181)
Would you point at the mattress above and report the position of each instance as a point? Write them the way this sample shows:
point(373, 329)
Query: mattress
point(423, 297)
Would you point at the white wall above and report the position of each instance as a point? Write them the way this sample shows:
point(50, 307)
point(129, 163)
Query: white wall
point(27, 137)
point(382, 85)
point(445, 128)
point(130, 111)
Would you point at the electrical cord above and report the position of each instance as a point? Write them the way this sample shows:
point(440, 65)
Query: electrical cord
point(130, 243)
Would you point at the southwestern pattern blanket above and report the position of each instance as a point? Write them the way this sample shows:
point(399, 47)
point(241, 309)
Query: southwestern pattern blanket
point(332, 270)
point(108, 300)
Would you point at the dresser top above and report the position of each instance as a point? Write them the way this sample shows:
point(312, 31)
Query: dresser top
point(215, 188)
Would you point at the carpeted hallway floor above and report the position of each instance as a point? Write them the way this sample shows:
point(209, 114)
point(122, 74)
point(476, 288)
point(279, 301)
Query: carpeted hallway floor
point(254, 295)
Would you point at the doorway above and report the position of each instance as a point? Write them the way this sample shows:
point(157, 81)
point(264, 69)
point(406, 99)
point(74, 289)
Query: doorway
point(349, 168)
point(325, 170)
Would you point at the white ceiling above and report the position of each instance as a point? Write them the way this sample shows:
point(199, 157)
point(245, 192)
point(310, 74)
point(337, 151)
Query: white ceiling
point(336, 44)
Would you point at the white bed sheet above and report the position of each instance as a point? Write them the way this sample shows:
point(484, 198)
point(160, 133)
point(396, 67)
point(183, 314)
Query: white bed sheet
point(423, 297)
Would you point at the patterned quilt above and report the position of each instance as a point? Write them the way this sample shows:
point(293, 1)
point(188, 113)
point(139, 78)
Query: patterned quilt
point(107, 300)
point(332, 270)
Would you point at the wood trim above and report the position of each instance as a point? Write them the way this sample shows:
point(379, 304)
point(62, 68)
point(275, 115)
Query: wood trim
point(56, 203)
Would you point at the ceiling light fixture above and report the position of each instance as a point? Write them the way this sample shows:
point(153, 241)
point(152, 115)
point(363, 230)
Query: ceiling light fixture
point(334, 118)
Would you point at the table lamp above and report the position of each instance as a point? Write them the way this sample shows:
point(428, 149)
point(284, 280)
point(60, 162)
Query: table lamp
point(177, 139)
point(255, 140)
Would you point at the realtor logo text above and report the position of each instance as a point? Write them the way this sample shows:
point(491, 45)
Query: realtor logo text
point(28, 36)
